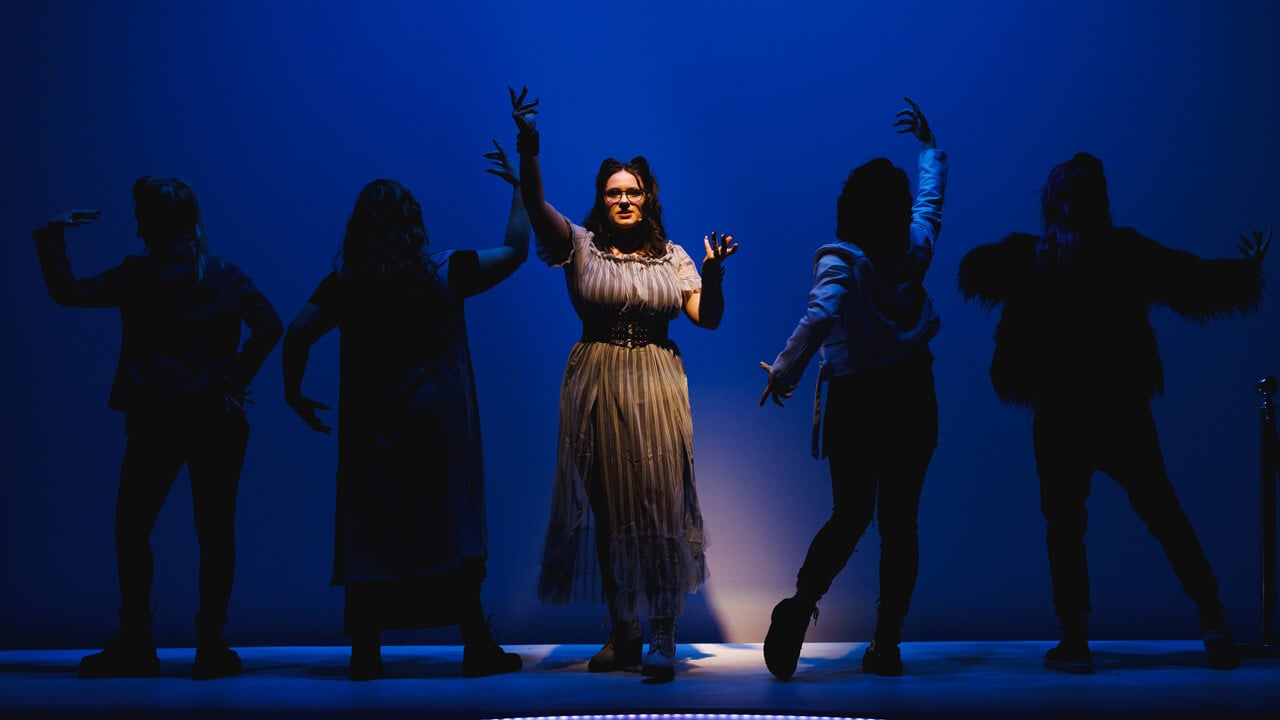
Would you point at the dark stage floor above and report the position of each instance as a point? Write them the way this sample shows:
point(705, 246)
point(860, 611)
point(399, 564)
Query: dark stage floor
point(1166, 679)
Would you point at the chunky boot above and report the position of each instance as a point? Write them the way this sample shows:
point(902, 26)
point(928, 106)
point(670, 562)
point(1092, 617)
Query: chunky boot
point(621, 650)
point(1223, 653)
point(214, 658)
point(660, 663)
point(130, 652)
point(488, 659)
point(883, 657)
point(1072, 654)
point(787, 626)
point(481, 656)
point(366, 655)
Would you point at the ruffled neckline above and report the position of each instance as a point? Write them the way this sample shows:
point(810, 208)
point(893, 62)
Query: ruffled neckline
point(629, 257)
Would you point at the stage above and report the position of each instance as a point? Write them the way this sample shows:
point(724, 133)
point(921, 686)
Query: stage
point(1148, 679)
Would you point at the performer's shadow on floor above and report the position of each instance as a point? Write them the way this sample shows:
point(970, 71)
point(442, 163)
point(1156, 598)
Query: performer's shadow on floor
point(569, 658)
point(397, 666)
point(1106, 661)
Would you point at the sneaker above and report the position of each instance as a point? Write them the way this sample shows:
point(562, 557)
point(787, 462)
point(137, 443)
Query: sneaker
point(782, 643)
point(620, 651)
point(1070, 657)
point(660, 663)
point(883, 659)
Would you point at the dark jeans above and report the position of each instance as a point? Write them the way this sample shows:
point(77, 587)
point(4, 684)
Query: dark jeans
point(211, 442)
point(880, 432)
point(1073, 438)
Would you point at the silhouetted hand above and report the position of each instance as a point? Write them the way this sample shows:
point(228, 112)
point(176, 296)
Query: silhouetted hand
point(911, 120)
point(504, 169)
point(238, 399)
point(74, 218)
point(523, 112)
point(718, 247)
point(306, 409)
point(779, 392)
point(1255, 249)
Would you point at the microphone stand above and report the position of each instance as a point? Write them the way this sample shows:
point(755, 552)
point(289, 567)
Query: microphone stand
point(1269, 450)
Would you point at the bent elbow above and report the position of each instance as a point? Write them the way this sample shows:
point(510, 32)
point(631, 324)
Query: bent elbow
point(272, 333)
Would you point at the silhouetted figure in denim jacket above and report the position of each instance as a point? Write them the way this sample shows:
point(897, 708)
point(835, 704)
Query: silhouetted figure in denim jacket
point(869, 313)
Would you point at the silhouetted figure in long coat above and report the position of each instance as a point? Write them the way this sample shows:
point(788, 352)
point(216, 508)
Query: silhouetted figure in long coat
point(411, 539)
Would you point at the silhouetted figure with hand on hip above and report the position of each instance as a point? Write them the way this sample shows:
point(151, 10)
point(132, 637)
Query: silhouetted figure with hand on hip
point(182, 381)
point(869, 314)
point(1075, 344)
point(411, 538)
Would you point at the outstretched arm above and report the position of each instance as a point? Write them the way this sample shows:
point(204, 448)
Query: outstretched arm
point(549, 225)
point(1202, 289)
point(104, 290)
point(830, 285)
point(994, 272)
point(311, 324)
point(705, 307)
point(497, 264)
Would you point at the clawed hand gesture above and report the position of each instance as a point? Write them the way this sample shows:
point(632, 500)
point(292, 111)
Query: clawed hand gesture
point(911, 120)
point(718, 247)
point(521, 111)
point(779, 392)
point(503, 167)
point(306, 409)
point(238, 399)
point(1255, 249)
point(74, 218)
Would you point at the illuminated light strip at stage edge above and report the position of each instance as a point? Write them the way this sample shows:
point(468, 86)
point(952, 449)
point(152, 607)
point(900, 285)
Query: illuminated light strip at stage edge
point(681, 716)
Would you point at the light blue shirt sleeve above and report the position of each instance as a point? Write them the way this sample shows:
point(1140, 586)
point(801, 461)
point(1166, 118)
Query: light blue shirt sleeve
point(926, 212)
point(829, 288)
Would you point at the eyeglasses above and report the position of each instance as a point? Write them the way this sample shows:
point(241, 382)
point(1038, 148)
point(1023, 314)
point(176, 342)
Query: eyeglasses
point(613, 196)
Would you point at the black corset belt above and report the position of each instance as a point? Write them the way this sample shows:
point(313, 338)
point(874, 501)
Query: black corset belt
point(628, 329)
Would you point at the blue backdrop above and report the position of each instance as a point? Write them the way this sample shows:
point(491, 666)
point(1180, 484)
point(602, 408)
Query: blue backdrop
point(751, 113)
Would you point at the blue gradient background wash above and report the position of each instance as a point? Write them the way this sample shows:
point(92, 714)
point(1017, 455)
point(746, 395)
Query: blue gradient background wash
point(751, 113)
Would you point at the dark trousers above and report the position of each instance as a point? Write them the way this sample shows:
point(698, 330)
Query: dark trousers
point(211, 442)
point(880, 432)
point(1118, 437)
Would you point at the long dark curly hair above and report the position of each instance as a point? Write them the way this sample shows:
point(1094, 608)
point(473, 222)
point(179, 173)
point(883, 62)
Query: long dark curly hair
point(1075, 205)
point(169, 219)
point(653, 241)
point(386, 239)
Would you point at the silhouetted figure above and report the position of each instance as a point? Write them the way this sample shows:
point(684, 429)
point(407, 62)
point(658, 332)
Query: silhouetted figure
point(411, 539)
point(624, 510)
point(869, 313)
point(1075, 344)
point(181, 381)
